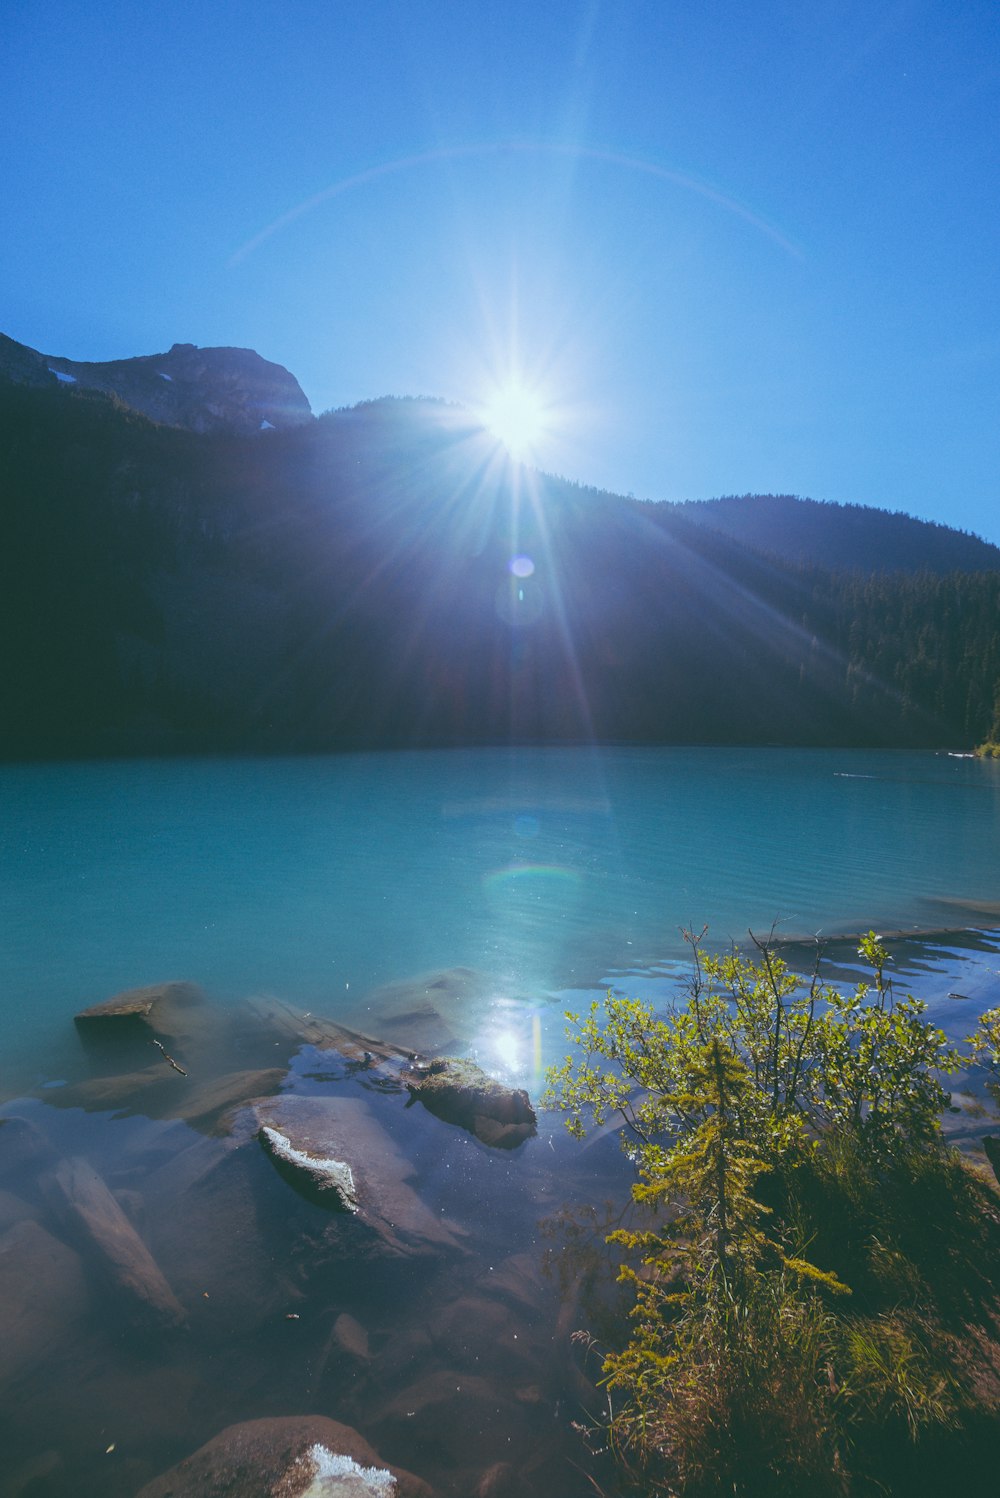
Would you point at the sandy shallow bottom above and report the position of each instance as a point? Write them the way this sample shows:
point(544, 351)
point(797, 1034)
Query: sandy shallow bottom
point(447, 1345)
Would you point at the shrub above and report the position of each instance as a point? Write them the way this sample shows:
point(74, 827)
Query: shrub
point(786, 1142)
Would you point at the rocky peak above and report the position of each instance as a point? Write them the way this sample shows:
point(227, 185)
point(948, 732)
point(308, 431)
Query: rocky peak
point(203, 389)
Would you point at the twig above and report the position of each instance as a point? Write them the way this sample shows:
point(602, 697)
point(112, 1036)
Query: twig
point(169, 1059)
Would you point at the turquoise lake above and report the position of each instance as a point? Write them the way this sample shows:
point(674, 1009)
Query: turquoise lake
point(545, 870)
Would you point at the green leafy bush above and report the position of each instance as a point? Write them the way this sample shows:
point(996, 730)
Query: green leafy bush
point(786, 1142)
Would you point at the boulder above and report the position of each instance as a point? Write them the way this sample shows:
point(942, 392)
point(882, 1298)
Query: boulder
point(461, 1093)
point(297, 1456)
point(172, 1014)
point(335, 1153)
point(120, 1253)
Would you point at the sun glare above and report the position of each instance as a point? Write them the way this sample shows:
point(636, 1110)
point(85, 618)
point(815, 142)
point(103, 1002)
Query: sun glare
point(517, 417)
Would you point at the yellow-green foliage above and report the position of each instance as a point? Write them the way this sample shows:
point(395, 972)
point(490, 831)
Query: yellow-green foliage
point(748, 1365)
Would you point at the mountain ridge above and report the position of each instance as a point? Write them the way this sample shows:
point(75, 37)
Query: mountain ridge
point(385, 577)
point(235, 390)
point(203, 390)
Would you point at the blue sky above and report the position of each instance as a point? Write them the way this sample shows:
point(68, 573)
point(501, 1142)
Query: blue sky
point(739, 247)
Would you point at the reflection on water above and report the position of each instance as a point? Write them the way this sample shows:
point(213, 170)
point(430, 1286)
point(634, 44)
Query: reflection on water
point(447, 904)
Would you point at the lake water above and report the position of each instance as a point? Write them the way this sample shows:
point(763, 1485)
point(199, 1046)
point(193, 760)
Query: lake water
point(320, 879)
point(346, 887)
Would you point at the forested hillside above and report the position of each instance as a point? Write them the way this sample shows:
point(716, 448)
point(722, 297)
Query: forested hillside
point(843, 538)
point(384, 576)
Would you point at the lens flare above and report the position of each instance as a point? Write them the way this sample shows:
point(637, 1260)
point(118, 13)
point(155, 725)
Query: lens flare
point(517, 416)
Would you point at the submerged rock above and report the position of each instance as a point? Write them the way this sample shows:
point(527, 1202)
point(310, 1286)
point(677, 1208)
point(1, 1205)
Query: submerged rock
point(43, 1293)
point(461, 1093)
point(350, 1337)
point(333, 1151)
point(474, 1333)
point(12, 1209)
point(228, 1261)
point(145, 1090)
point(458, 1415)
point(157, 1091)
point(431, 1012)
point(173, 1015)
point(23, 1146)
point(298, 1456)
point(276, 1022)
point(498, 1481)
point(121, 1254)
point(150, 1007)
point(204, 1103)
point(517, 1280)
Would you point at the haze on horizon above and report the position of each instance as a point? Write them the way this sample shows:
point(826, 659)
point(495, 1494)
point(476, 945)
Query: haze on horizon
point(729, 249)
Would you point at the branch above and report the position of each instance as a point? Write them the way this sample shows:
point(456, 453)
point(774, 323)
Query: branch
point(169, 1059)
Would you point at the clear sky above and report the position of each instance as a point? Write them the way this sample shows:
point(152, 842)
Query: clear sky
point(739, 246)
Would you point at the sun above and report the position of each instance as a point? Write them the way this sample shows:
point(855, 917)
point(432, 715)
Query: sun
point(516, 415)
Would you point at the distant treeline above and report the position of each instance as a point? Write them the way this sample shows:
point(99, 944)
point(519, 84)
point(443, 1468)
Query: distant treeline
point(349, 584)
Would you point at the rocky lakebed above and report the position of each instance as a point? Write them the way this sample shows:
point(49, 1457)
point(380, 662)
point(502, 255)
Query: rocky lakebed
point(247, 1250)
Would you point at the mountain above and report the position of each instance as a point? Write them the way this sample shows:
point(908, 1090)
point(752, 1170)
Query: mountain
point(204, 390)
point(841, 537)
point(384, 576)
